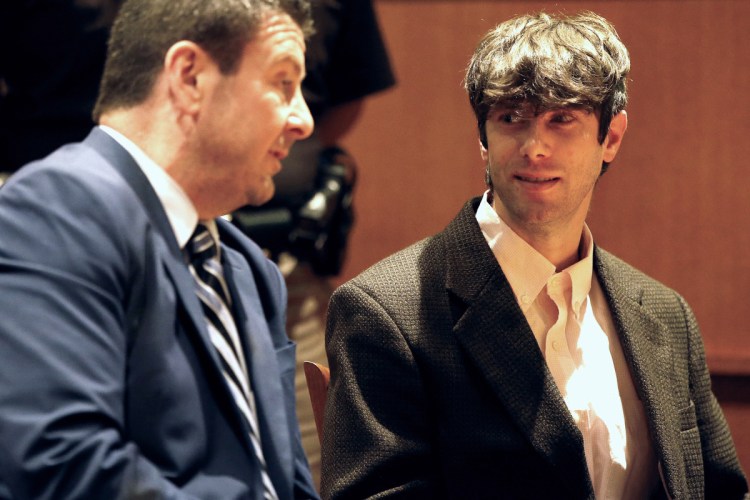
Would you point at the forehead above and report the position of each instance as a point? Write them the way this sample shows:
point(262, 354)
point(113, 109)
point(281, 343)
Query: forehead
point(530, 107)
point(278, 35)
point(276, 42)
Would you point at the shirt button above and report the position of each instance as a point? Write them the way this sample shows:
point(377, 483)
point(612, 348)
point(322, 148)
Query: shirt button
point(525, 299)
point(556, 345)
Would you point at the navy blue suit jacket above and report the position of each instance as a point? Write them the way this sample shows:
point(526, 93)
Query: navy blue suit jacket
point(109, 385)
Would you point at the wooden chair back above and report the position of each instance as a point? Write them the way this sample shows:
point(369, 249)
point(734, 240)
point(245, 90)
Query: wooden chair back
point(317, 377)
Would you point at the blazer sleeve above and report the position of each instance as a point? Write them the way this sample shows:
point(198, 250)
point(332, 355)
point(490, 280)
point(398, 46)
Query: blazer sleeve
point(66, 269)
point(723, 475)
point(373, 447)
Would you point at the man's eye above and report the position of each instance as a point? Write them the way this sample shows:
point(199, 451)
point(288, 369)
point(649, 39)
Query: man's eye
point(288, 88)
point(509, 118)
point(562, 118)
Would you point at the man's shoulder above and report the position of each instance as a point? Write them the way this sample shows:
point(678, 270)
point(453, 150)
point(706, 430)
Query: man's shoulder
point(76, 163)
point(615, 273)
point(427, 261)
point(616, 266)
point(398, 284)
point(73, 179)
point(402, 265)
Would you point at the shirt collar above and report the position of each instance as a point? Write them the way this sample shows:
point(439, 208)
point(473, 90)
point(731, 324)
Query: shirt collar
point(181, 213)
point(582, 272)
point(526, 269)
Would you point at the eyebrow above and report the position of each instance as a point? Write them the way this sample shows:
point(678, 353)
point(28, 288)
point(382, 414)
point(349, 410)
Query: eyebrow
point(507, 105)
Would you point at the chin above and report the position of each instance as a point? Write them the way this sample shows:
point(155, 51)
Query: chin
point(259, 198)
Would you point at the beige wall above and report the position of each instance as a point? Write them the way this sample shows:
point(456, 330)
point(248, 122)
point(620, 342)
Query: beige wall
point(676, 201)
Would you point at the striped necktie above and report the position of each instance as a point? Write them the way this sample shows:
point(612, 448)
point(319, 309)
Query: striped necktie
point(213, 293)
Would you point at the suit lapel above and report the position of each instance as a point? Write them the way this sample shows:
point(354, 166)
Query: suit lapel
point(261, 364)
point(491, 328)
point(174, 263)
point(493, 331)
point(645, 343)
point(172, 257)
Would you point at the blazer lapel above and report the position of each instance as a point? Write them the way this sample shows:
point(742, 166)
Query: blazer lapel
point(172, 256)
point(492, 329)
point(174, 263)
point(262, 366)
point(645, 343)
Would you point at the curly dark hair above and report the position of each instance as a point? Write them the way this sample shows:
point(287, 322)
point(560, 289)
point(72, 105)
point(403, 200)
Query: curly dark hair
point(550, 62)
point(144, 30)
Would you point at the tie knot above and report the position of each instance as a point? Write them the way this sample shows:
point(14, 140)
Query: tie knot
point(202, 245)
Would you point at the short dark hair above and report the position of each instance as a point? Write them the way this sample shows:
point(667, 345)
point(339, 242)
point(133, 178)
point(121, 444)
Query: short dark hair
point(144, 30)
point(550, 62)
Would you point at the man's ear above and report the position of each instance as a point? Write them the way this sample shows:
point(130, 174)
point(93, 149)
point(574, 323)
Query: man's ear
point(483, 151)
point(186, 66)
point(612, 142)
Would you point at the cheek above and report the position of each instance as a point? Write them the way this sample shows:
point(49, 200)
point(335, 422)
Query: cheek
point(595, 162)
point(500, 153)
point(589, 172)
point(259, 136)
point(273, 108)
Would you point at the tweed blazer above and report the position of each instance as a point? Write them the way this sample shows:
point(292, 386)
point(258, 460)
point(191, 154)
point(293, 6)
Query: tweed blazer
point(439, 389)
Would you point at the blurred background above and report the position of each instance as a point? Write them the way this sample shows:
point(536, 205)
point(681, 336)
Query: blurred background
point(676, 201)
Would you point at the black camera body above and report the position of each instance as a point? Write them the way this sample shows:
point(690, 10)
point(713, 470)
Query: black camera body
point(317, 231)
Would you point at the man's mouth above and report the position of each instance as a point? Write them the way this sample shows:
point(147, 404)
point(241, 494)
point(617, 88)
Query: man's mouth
point(279, 154)
point(538, 180)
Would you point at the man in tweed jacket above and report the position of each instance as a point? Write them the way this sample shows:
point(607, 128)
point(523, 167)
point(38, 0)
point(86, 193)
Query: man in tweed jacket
point(508, 356)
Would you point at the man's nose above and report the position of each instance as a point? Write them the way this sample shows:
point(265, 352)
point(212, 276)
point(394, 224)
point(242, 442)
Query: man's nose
point(300, 123)
point(535, 142)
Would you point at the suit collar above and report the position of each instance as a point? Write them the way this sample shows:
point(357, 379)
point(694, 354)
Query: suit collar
point(119, 158)
point(180, 211)
point(493, 331)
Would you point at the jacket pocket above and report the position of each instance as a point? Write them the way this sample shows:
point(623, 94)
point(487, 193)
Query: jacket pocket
point(285, 356)
point(691, 450)
point(687, 417)
point(286, 359)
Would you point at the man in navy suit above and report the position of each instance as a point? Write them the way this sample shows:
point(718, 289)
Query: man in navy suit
point(110, 384)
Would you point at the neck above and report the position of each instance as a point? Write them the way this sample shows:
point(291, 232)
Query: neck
point(557, 238)
point(558, 243)
point(167, 145)
point(561, 252)
point(147, 130)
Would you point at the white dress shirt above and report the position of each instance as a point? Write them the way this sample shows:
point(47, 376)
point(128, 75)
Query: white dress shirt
point(181, 213)
point(573, 326)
